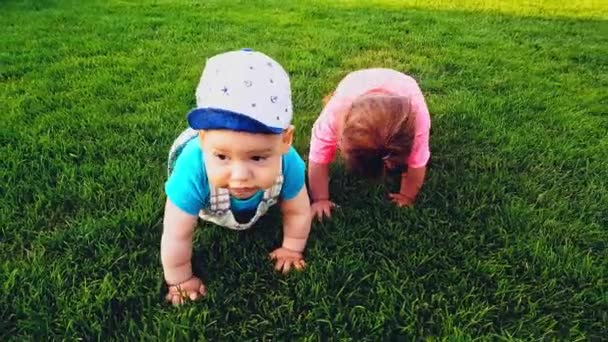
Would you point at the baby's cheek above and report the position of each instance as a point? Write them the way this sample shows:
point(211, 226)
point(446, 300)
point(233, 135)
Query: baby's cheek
point(268, 175)
point(216, 182)
point(216, 177)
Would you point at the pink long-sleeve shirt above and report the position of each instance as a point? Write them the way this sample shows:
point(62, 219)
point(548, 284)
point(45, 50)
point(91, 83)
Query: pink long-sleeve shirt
point(325, 133)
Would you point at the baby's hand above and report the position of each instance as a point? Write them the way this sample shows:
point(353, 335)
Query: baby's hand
point(401, 200)
point(286, 258)
point(322, 208)
point(192, 289)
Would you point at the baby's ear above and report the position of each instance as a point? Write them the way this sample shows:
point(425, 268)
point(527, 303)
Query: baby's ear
point(287, 138)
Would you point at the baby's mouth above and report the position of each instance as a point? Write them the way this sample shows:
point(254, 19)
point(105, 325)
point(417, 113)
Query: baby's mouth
point(242, 192)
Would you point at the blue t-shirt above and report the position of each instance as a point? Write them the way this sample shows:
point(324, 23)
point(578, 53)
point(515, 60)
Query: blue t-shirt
point(188, 187)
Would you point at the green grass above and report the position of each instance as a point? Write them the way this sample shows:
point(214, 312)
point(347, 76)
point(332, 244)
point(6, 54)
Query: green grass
point(508, 240)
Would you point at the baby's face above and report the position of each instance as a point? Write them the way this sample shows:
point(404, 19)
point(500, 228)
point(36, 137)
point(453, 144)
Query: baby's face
point(241, 162)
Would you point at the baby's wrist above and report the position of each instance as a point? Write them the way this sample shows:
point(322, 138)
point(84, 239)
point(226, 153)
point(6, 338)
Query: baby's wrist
point(320, 199)
point(410, 197)
point(294, 244)
point(178, 275)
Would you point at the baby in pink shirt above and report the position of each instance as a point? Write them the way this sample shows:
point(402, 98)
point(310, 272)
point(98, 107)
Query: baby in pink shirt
point(380, 122)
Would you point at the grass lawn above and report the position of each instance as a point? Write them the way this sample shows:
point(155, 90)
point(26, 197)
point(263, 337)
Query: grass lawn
point(508, 240)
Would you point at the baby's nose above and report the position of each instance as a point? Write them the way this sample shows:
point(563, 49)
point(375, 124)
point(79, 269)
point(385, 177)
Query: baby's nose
point(239, 172)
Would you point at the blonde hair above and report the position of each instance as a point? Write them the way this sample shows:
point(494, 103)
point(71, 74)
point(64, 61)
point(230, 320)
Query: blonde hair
point(377, 128)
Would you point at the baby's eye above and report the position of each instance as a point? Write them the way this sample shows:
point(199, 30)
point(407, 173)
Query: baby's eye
point(221, 156)
point(258, 158)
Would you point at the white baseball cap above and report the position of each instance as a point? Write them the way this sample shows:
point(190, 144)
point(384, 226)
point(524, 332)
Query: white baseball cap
point(243, 91)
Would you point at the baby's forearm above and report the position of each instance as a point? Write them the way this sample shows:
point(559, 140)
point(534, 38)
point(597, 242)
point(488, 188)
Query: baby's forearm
point(175, 257)
point(296, 221)
point(176, 244)
point(296, 232)
point(318, 178)
point(412, 181)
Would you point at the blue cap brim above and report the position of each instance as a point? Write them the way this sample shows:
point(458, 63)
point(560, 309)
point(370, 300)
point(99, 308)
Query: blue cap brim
point(213, 118)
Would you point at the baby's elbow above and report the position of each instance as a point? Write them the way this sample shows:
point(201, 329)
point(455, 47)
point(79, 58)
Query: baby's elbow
point(297, 208)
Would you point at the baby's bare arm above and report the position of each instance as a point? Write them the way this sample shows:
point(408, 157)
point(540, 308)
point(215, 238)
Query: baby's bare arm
point(318, 179)
point(296, 221)
point(176, 244)
point(412, 181)
point(296, 227)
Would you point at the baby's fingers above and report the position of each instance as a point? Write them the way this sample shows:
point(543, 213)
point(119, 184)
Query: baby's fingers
point(279, 265)
point(299, 264)
point(400, 204)
point(327, 211)
point(173, 291)
point(318, 214)
point(287, 266)
point(397, 199)
point(176, 300)
point(178, 296)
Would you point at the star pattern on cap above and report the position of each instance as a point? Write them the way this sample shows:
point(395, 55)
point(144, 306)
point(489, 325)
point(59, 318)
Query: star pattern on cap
point(254, 87)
